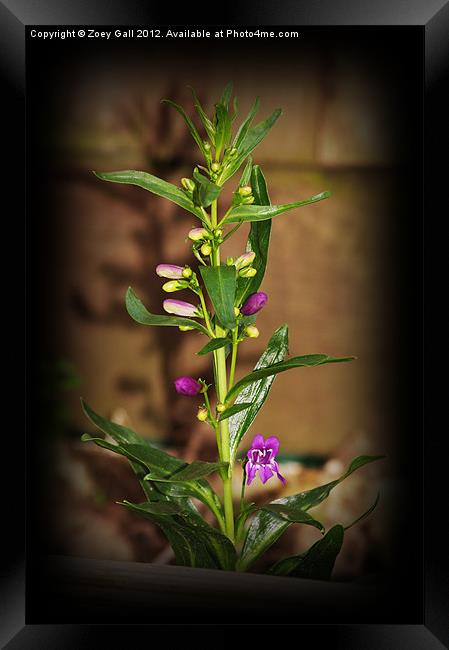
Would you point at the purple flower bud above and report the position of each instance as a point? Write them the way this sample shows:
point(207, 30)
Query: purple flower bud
point(169, 271)
point(254, 303)
point(187, 386)
point(180, 308)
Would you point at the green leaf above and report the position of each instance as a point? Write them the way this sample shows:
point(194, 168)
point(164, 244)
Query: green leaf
point(256, 393)
point(266, 528)
point(146, 458)
point(152, 184)
point(293, 515)
point(226, 96)
point(261, 213)
point(244, 127)
point(141, 315)
point(223, 126)
point(194, 471)
point(306, 361)
point(317, 563)
point(205, 191)
point(195, 544)
point(232, 410)
point(214, 344)
point(207, 123)
point(258, 239)
point(220, 283)
point(192, 128)
point(156, 507)
point(249, 142)
point(365, 514)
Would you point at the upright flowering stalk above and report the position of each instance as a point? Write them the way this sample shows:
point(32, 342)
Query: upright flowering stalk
point(225, 303)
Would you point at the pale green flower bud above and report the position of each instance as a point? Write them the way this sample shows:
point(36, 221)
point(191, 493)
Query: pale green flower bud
point(187, 272)
point(218, 232)
point(233, 152)
point(236, 311)
point(248, 273)
point(246, 190)
point(172, 285)
point(202, 414)
point(215, 166)
point(188, 184)
point(221, 407)
point(185, 328)
point(206, 249)
point(197, 234)
point(206, 145)
point(230, 261)
point(245, 260)
point(251, 331)
point(247, 200)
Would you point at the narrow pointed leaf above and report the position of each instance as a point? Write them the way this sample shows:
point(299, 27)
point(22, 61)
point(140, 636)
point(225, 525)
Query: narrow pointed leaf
point(205, 191)
point(306, 361)
point(156, 507)
point(266, 528)
point(140, 314)
point(244, 127)
point(194, 471)
point(258, 239)
point(220, 283)
point(207, 123)
point(226, 96)
point(261, 213)
point(195, 544)
point(232, 410)
point(192, 128)
point(318, 562)
point(293, 515)
point(256, 393)
point(152, 184)
point(365, 514)
point(223, 127)
point(214, 344)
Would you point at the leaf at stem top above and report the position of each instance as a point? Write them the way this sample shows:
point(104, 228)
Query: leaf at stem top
point(307, 361)
point(257, 392)
point(220, 282)
point(137, 310)
point(153, 184)
point(192, 128)
point(207, 123)
point(262, 213)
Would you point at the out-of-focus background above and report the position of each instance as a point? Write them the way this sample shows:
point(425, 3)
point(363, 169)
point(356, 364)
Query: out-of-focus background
point(329, 277)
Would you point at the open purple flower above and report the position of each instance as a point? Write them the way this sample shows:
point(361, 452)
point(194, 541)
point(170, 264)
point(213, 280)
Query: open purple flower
point(180, 308)
point(169, 271)
point(261, 458)
point(254, 303)
point(187, 386)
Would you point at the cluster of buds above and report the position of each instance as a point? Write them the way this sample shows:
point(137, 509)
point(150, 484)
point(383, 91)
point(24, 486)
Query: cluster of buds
point(245, 195)
point(179, 277)
point(243, 265)
point(204, 240)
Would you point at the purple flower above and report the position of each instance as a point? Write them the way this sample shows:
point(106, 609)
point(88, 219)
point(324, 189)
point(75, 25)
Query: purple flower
point(254, 303)
point(187, 386)
point(180, 308)
point(261, 458)
point(169, 271)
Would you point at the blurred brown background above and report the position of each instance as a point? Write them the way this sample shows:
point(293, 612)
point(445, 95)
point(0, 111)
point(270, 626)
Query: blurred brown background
point(328, 277)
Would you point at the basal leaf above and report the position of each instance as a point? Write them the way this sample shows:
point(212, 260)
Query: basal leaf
point(307, 360)
point(220, 283)
point(256, 393)
point(260, 213)
point(318, 562)
point(266, 528)
point(140, 314)
point(152, 184)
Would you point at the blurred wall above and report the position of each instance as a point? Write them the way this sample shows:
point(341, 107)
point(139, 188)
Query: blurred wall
point(329, 263)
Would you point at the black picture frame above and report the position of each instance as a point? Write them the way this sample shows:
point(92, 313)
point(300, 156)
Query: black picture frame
point(433, 19)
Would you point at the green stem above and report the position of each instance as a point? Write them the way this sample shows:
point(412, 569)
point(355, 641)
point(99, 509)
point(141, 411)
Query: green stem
point(235, 346)
point(206, 314)
point(221, 388)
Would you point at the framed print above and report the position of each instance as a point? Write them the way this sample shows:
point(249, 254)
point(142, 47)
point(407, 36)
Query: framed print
point(224, 230)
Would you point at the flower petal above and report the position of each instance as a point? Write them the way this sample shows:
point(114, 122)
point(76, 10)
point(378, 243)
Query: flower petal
point(275, 466)
point(250, 470)
point(272, 443)
point(265, 473)
point(258, 442)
